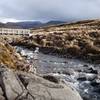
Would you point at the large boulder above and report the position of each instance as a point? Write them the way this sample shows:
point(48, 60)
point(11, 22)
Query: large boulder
point(27, 86)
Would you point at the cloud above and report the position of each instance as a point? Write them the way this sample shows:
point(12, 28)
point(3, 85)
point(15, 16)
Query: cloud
point(5, 20)
point(49, 9)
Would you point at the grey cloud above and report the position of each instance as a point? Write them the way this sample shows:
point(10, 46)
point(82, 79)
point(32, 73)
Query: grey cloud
point(50, 9)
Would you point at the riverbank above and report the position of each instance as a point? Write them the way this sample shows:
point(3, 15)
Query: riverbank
point(80, 40)
point(72, 52)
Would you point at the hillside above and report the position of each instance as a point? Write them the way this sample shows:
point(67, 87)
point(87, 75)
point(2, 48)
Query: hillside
point(79, 39)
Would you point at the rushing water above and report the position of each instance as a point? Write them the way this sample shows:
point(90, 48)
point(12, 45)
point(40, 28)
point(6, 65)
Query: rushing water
point(58, 66)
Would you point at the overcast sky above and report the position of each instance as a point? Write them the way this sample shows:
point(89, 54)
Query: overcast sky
point(45, 10)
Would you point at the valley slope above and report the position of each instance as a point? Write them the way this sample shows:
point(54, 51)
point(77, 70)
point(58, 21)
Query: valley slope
point(80, 39)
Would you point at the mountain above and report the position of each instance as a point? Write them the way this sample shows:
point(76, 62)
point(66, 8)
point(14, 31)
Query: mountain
point(26, 24)
point(29, 24)
point(33, 24)
point(2, 25)
point(54, 23)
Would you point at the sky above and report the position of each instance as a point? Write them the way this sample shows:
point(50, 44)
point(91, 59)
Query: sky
point(46, 10)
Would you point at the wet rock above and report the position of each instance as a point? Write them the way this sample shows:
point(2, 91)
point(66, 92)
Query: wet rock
point(85, 66)
point(91, 77)
point(91, 70)
point(91, 97)
point(95, 82)
point(81, 77)
point(51, 78)
point(68, 71)
point(86, 77)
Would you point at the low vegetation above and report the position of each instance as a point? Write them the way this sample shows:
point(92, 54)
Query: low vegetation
point(81, 39)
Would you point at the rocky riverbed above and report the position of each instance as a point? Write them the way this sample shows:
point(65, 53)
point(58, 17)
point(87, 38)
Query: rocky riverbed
point(83, 76)
point(19, 80)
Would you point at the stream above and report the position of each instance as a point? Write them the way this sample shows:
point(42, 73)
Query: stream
point(82, 76)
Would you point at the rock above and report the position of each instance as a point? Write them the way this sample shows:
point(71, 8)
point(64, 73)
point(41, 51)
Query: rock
point(95, 82)
point(91, 70)
point(81, 77)
point(12, 86)
point(86, 77)
point(85, 66)
point(45, 90)
point(68, 71)
point(1, 92)
point(91, 77)
point(51, 78)
point(1, 95)
point(18, 85)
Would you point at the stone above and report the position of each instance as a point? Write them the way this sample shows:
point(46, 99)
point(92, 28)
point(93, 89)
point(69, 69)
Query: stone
point(91, 77)
point(86, 76)
point(85, 66)
point(1, 95)
point(19, 85)
point(95, 82)
point(41, 89)
point(81, 77)
point(92, 70)
point(51, 78)
point(68, 71)
point(44, 90)
point(12, 85)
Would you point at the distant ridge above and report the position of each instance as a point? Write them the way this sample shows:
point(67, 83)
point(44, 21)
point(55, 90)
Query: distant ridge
point(26, 24)
point(38, 24)
point(32, 24)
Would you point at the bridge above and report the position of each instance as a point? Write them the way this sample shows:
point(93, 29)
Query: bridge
point(15, 32)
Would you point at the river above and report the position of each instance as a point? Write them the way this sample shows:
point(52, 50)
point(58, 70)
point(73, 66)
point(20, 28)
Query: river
point(78, 74)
